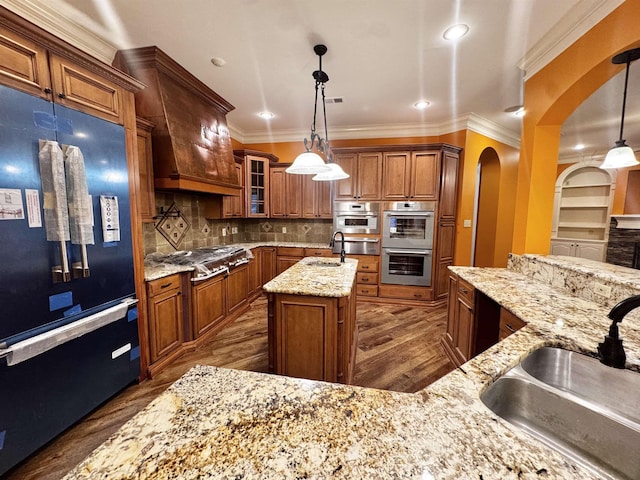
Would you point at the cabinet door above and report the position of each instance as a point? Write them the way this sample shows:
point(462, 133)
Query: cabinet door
point(424, 176)
point(464, 340)
point(233, 205)
point(448, 187)
point(345, 189)
point(268, 264)
point(81, 89)
point(237, 288)
point(309, 193)
point(562, 247)
point(293, 195)
point(277, 197)
point(209, 304)
point(24, 65)
point(592, 251)
point(286, 262)
point(452, 311)
point(145, 170)
point(396, 169)
point(257, 186)
point(165, 323)
point(324, 207)
point(255, 271)
point(369, 176)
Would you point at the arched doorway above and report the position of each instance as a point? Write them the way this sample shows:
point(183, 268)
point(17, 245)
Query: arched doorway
point(486, 209)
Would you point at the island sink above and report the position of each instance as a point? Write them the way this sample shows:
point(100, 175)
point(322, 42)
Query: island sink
point(583, 409)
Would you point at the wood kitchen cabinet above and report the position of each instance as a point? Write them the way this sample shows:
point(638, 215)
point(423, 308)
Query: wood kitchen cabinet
point(256, 183)
point(365, 181)
point(312, 337)
point(254, 272)
point(285, 192)
point(316, 198)
point(410, 176)
point(28, 65)
point(288, 256)
point(268, 264)
point(209, 305)
point(145, 170)
point(165, 307)
point(509, 323)
point(367, 276)
point(473, 321)
point(233, 205)
point(237, 288)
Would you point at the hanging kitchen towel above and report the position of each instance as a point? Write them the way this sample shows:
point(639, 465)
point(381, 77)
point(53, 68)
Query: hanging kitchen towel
point(78, 198)
point(54, 191)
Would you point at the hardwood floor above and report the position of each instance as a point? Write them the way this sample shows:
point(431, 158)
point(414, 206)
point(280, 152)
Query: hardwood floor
point(398, 349)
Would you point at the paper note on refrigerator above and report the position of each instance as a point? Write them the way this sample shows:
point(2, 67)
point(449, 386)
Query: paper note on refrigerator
point(11, 207)
point(110, 218)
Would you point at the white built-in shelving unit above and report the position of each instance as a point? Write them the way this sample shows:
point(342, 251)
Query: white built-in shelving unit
point(582, 209)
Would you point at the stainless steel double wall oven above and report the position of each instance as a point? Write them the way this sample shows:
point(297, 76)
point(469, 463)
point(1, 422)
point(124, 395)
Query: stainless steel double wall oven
point(407, 243)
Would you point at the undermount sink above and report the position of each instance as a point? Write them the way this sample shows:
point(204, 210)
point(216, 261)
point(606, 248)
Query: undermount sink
point(576, 405)
point(324, 263)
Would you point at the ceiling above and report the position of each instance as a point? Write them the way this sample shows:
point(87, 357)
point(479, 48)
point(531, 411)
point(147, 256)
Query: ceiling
point(382, 57)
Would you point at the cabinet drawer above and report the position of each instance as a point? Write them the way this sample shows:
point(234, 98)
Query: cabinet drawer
point(164, 284)
point(509, 323)
point(367, 290)
point(368, 263)
point(405, 292)
point(291, 251)
point(465, 290)
point(318, 252)
point(368, 278)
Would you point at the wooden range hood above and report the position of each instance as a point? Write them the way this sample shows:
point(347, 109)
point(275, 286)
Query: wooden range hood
point(192, 148)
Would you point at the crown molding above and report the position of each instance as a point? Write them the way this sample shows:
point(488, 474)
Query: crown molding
point(64, 22)
point(469, 121)
point(580, 19)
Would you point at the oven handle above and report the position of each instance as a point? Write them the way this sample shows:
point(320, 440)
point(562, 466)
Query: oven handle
point(363, 240)
point(211, 275)
point(355, 214)
point(408, 214)
point(407, 252)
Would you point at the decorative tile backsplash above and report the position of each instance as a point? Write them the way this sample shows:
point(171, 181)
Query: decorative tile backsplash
point(206, 232)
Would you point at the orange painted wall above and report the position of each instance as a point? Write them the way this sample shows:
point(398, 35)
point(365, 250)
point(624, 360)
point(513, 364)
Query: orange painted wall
point(551, 95)
point(474, 145)
point(488, 209)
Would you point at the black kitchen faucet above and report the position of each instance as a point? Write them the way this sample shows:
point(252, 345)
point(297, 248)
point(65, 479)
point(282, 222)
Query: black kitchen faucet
point(333, 240)
point(611, 351)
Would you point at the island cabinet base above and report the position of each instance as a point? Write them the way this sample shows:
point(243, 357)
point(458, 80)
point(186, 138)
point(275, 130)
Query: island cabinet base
point(312, 337)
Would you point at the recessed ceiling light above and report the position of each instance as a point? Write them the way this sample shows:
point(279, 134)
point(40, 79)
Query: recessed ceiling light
point(579, 146)
point(517, 110)
point(455, 32)
point(266, 115)
point(520, 112)
point(421, 104)
point(218, 61)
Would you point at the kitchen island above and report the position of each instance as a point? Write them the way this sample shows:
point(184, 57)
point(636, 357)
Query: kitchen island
point(312, 331)
point(218, 423)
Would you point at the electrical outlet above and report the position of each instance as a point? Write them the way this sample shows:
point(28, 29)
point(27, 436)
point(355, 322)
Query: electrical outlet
point(284, 229)
point(234, 230)
point(224, 232)
point(602, 290)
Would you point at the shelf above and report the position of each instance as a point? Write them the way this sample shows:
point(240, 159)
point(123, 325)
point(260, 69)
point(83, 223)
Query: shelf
point(584, 226)
point(564, 207)
point(589, 185)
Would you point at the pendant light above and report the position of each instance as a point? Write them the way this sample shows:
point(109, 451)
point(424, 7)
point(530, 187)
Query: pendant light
point(622, 155)
point(310, 162)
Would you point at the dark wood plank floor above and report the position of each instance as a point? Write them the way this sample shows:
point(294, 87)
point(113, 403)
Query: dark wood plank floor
point(399, 349)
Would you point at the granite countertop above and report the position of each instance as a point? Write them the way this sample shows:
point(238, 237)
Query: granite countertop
point(219, 423)
point(316, 276)
point(154, 271)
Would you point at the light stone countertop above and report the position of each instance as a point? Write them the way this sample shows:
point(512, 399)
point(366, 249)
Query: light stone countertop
point(316, 276)
point(154, 272)
point(219, 423)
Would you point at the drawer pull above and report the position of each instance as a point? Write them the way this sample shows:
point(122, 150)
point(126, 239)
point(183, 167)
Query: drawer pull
point(510, 328)
point(464, 290)
point(165, 285)
point(365, 291)
point(418, 295)
point(365, 267)
point(365, 279)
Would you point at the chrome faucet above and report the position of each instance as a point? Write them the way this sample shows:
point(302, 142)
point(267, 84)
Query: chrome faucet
point(610, 351)
point(343, 254)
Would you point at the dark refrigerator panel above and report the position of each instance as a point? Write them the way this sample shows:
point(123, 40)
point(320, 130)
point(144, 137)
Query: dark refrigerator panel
point(68, 342)
point(28, 296)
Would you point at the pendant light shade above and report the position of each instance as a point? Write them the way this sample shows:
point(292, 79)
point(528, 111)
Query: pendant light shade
point(622, 154)
point(335, 173)
point(308, 163)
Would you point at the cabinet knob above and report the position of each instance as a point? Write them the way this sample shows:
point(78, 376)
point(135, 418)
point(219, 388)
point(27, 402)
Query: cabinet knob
point(47, 91)
point(62, 95)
